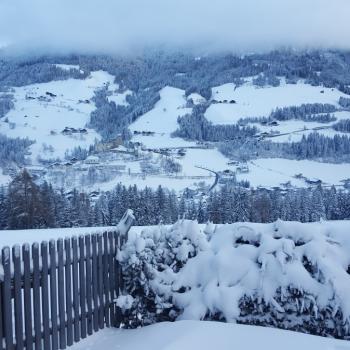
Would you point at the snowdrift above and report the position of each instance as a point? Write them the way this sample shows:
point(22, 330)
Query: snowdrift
point(285, 274)
point(194, 335)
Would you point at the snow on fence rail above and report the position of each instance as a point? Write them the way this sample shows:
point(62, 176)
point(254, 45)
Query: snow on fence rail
point(55, 293)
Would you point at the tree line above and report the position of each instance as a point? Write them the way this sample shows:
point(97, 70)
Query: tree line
point(314, 146)
point(25, 205)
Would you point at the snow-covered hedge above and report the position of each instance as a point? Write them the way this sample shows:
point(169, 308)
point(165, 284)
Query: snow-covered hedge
point(286, 274)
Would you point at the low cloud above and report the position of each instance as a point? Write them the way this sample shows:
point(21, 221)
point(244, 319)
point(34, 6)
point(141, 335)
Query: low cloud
point(112, 26)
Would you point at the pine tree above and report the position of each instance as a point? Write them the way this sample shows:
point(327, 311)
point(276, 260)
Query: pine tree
point(23, 202)
point(318, 210)
point(47, 206)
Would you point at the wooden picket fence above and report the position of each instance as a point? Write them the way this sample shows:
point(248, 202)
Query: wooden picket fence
point(55, 293)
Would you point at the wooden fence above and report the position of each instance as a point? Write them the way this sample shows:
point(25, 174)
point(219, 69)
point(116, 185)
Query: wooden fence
point(55, 293)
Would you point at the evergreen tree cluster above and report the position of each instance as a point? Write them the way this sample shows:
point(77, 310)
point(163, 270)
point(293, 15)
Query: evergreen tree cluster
point(111, 120)
point(159, 69)
point(77, 153)
point(342, 126)
point(344, 102)
point(13, 150)
point(314, 146)
point(195, 126)
point(23, 71)
point(266, 79)
point(304, 112)
point(319, 146)
point(27, 205)
point(6, 104)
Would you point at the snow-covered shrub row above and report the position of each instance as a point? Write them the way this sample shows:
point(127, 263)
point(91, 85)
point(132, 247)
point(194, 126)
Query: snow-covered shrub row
point(285, 274)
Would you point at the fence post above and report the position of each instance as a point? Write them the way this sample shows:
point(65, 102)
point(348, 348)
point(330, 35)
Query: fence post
point(76, 290)
point(17, 279)
point(100, 283)
point(117, 281)
point(36, 295)
point(45, 295)
point(112, 277)
point(6, 263)
point(105, 278)
point(61, 284)
point(53, 295)
point(69, 305)
point(94, 281)
point(1, 318)
point(28, 324)
point(82, 291)
point(88, 283)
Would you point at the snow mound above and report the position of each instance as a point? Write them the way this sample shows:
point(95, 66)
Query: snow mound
point(193, 335)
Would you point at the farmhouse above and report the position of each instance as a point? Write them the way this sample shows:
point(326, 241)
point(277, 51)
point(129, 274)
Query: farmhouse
point(92, 160)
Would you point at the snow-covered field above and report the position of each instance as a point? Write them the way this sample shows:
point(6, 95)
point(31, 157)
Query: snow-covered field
point(201, 335)
point(272, 172)
point(252, 101)
point(163, 117)
point(4, 179)
point(294, 130)
point(42, 117)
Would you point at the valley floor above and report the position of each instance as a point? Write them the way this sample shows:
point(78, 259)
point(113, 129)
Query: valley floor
point(193, 335)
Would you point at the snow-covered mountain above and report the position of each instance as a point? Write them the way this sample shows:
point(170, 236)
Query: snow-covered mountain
point(56, 116)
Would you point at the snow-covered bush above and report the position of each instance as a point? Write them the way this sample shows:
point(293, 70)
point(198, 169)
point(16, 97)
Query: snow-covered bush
point(285, 274)
point(149, 263)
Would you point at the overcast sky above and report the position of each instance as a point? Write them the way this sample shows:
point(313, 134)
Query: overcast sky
point(116, 25)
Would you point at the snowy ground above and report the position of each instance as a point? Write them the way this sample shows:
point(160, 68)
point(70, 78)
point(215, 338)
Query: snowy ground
point(271, 172)
point(294, 130)
point(44, 120)
point(4, 179)
point(200, 335)
point(164, 115)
